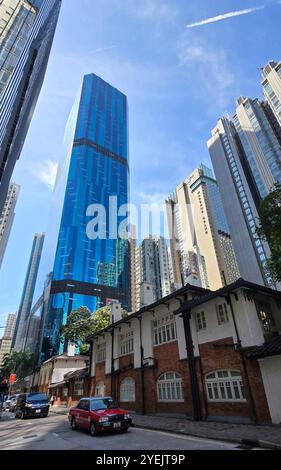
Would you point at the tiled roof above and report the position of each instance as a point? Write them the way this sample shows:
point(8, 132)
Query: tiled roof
point(77, 374)
point(271, 348)
point(240, 283)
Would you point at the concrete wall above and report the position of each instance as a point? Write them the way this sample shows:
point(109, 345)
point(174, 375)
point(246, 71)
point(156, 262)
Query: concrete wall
point(271, 374)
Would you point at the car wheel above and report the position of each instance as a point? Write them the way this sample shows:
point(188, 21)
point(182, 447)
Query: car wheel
point(93, 430)
point(73, 424)
point(46, 415)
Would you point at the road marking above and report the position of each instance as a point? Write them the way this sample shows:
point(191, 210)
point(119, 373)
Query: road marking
point(55, 434)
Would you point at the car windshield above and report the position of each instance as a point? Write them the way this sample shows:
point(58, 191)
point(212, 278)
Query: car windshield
point(104, 404)
point(37, 398)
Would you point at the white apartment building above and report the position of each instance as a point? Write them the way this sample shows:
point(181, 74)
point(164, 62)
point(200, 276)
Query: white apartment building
point(7, 218)
point(152, 266)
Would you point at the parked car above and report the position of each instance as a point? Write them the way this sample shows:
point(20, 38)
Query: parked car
point(6, 404)
point(13, 402)
point(98, 415)
point(32, 404)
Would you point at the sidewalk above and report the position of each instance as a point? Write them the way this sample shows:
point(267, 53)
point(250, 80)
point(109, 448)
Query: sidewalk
point(268, 437)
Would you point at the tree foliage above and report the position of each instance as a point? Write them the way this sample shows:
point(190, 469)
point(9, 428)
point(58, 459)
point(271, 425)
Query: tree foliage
point(77, 327)
point(82, 324)
point(19, 363)
point(270, 230)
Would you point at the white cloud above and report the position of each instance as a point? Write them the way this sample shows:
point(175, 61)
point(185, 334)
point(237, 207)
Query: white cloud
point(209, 67)
point(225, 16)
point(47, 173)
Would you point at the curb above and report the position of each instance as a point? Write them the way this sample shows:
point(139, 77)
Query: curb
point(182, 433)
point(266, 445)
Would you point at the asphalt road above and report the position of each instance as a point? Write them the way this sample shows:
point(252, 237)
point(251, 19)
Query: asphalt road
point(54, 433)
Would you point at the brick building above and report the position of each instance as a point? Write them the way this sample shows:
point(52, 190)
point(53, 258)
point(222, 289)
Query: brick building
point(208, 355)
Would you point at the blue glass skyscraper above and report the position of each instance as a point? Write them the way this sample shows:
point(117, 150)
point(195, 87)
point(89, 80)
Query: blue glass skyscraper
point(27, 29)
point(89, 272)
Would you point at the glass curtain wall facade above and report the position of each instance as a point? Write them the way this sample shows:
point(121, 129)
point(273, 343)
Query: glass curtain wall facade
point(260, 144)
point(27, 30)
point(90, 272)
point(272, 87)
point(240, 199)
point(23, 318)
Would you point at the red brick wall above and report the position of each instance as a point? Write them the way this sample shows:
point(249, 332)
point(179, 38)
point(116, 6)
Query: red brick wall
point(167, 360)
point(214, 356)
point(222, 355)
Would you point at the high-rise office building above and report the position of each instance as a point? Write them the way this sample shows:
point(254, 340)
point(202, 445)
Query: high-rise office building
point(241, 199)
point(24, 311)
point(27, 29)
point(7, 218)
point(199, 233)
point(10, 325)
point(6, 342)
point(152, 267)
point(272, 87)
point(261, 150)
point(88, 269)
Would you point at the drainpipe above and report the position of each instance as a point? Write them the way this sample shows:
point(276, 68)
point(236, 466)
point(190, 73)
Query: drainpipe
point(112, 363)
point(143, 408)
point(239, 344)
point(192, 369)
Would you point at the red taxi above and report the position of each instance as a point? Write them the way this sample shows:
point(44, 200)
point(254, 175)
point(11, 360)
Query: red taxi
point(99, 415)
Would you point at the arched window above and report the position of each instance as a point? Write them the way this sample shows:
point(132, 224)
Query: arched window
point(170, 387)
point(225, 385)
point(128, 390)
point(100, 389)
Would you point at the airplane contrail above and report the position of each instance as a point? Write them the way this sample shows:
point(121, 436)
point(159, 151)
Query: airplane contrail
point(225, 16)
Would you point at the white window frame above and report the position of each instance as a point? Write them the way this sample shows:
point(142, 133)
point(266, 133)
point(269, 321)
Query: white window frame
point(128, 390)
point(224, 385)
point(200, 320)
point(222, 314)
point(101, 353)
point(78, 390)
point(126, 343)
point(170, 388)
point(164, 330)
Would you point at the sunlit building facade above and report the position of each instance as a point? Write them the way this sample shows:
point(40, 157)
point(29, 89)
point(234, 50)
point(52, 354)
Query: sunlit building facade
point(27, 29)
point(272, 87)
point(7, 218)
point(89, 270)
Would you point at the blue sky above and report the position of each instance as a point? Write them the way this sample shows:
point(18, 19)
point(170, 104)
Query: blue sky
point(178, 80)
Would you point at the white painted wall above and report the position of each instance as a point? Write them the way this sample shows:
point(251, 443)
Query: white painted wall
point(108, 340)
point(137, 352)
point(147, 340)
point(271, 374)
point(214, 331)
point(64, 366)
point(249, 327)
point(181, 337)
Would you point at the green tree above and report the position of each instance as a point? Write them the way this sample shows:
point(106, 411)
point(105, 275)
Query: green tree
point(77, 327)
point(81, 324)
point(270, 230)
point(19, 363)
